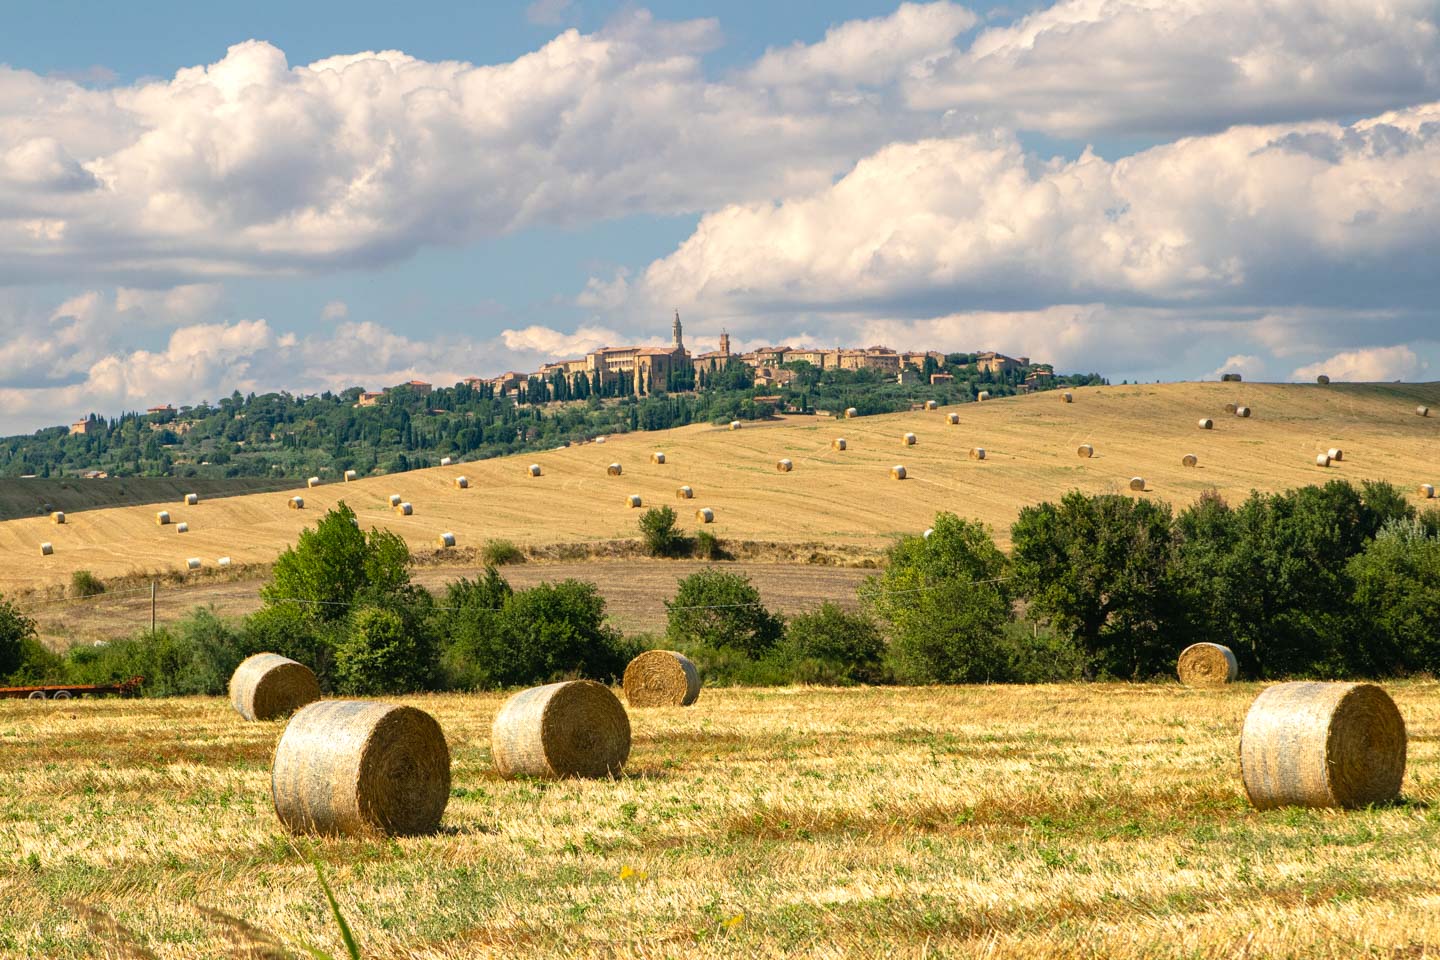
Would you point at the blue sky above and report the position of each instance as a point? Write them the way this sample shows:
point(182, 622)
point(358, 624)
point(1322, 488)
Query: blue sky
point(195, 199)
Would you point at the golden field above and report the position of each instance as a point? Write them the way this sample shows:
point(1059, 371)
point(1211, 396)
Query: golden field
point(838, 499)
point(1054, 821)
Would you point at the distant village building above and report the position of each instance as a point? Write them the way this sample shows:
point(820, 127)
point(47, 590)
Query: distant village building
point(907, 375)
point(82, 427)
point(419, 386)
point(716, 359)
point(165, 409)
point(992, 362)
point(937, 378)
point(370, 399)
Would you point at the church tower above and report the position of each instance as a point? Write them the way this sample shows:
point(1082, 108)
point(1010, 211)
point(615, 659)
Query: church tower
point(677, 333)
point(725, 343)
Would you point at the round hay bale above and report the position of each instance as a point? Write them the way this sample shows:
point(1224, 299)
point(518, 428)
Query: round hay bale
point(898, 471)
point(534, 469)
point(838, 443)
point(977, 453)
point(191, 499)
point(182, 527)
point(1085, 451)
point(297, 503)
point(223, 562)
point(313, 482)
point(1322, 380)
point(357, 767)
point(661, 678)
point(1322, 745)
point(1322, 460)
point(734, 424)
point(162, 518)
point(1206, 423)
point(983, 395)
point(953, 419)
point(58, 516)
point(1422, 411)
point(404, 509)
point(851, 413)
point(193, 563)
point(1137, 483)
point(784, 466)
point(1230, 378)
point(445, 461)
point(684, 493)
point(268, 686)
point(633, 500)
point(705, 515)
point(1230, 408)
point(1335, 453)
point(351, 475)
point(1189, 460)
point(909, 440)
point(1242, 411)
point(395, 499)
point(1067, 397)
point(445, 540)
point(1427, 491)
point(613, 470)
point(657, 457)
point(1207, 665)
point(931, 405)
point(462, 483)
point(47, 548)
point(577, 728)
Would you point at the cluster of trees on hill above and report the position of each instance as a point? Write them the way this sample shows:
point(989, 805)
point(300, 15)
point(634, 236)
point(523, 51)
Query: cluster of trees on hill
point(1330, 581)
point(280, 435)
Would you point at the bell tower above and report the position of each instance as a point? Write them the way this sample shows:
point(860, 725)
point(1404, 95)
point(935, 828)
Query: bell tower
point(677, 334)
point(725, 343)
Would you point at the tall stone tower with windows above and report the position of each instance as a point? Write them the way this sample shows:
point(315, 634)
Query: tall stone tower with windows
point(677, 333)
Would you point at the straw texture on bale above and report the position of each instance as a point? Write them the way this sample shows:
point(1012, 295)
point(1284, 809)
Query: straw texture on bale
point(657, 457)
point(661, 678)
point(58, 516)
point(191, 499)
point(351, 475)
point(983, 395)
point(1207, 665)
point(182, 527)
point(1314, 744)
point(404, 509)
point(1427, 491)
point(1189, 460)
point(1137, 483)
point(1085, 451)
point(931, 405)
point(613, 470)
point(577, 728)
point(838, 443)
point(784, 466)
point(1067, 397)
point(462, 483)
point(445, 540)
point(633, 500)
point(851, 413)
point(909, 440)
point(193, 563)
point(734, 424)
point(395, 499)
point(268, 686)
point(1230, 408)
point(162, 518)
point(1322, 379)
point(357, 768)
point(46, 549)
point(684, 493)
point(1207, 424)
point(1322, 460)
point(1335, 453)
point(313, 482)
point(977, 453)
point(898, 471)
point(1242, 411)
point(705, 515)
point(297, 503)
point(953, 418)
point(1422, 411)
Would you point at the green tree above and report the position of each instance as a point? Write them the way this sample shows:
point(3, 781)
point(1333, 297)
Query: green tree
point(336, 566)
point(830, 645)
point(657, 528)
point(712, 608)
point(17, 639)
point(1397, 601)
point(382, 653)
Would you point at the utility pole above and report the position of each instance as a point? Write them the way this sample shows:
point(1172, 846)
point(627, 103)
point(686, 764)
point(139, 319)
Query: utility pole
point(153, 585)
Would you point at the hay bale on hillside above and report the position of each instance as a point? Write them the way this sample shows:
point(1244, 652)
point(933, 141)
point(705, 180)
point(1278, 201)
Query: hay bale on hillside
point(1422, 411)
point(977, 453)
point(1322, 460)
point(1230, 378)
point(577, 728)
point(395, 499)
point(633, 500)
point(361, 768)
point(193, 563)
point(296, 503)
point(1426, 491)
point(657, 457)
point(1206, 423)
point(1322, 380)
point(908, 440)
point(1207, 665)
point(931, 405)
point(928, 533)
point(1242, 411)
point(534, 469)
point(268, 686)
point(404, 509)
point(898, 471)
point(983, 395)
point(1137, 484)
point(313, 482)
point(445, 461)
point(734, 424)
point(1335, 453)
point(684, 493)
point(838, 443)
point(1322, 745)
point(445, 540)
point(851, 413)
point(705, 515)
point(462, 483)
point(613, 470)
point(1230, 408)
point(351, 475)
point(191, 499)
point(58, 516)
point(1067, 397)
point(1189, 460)
point(182, 527)
point(953, 419)
point(784, 466)
point(162, 517)
point(1085, 451)
point(223, 562)
point(46, 548)
point(661, 678)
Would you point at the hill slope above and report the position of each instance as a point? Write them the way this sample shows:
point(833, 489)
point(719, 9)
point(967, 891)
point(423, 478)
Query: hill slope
point(838, 497)
point(31, 496)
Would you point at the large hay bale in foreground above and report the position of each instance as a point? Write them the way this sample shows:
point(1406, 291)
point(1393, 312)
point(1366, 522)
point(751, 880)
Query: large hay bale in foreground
point(191, 499)
point(162, 517)
point(657, 457)
point(661, 678)
point(534, 469)
point(838, 443)
point(953, 419)
point(58, 516)
point(1137, 483)
point(268, 686)
point(47, 548)
point(1067, 397)
point(613, 470)
point(1189, 460)
point(784, 465)
point(1322, 745)
point(1085, 451)
point(977, 453)
point(1206, 423)
point(462, 483)
point(705, 515)
point(445, 540)
point(577, 728)
point(297, 503)
point(898, 471)
point(312, 482)
point(684, 492)
point(1335, 453)
point(357, 767)
point(633, 500)
point(1426, 491)
point(851, 413)
point(1207, 665)
point(909, 440)
point(1322, 380)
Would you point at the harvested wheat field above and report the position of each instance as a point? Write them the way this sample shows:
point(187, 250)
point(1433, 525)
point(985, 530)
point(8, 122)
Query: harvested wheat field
point(839, 497)
point(1105, 821)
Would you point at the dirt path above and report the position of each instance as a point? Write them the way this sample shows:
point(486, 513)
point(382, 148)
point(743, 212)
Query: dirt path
point(635, 592)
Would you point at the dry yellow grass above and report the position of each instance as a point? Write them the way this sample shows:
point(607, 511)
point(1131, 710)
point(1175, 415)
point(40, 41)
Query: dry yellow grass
point(1061, 821)
point(840, 498)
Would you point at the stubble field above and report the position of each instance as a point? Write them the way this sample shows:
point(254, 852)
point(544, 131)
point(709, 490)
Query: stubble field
point(1104, 820)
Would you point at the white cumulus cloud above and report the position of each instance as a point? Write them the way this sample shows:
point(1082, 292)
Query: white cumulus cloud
point(1367, 365)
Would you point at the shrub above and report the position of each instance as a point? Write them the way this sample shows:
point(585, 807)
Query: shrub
point(15, 630)
point(196, 655)
point(832, 646)
point(382, 653)
point(336, 566)
point(1397, 601)
point(497, 553)
point(723, 610)
point(708, 547)
point(83, 583)
point(657, 529)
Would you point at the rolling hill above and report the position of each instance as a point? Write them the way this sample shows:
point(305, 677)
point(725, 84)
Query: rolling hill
point(837, 497)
